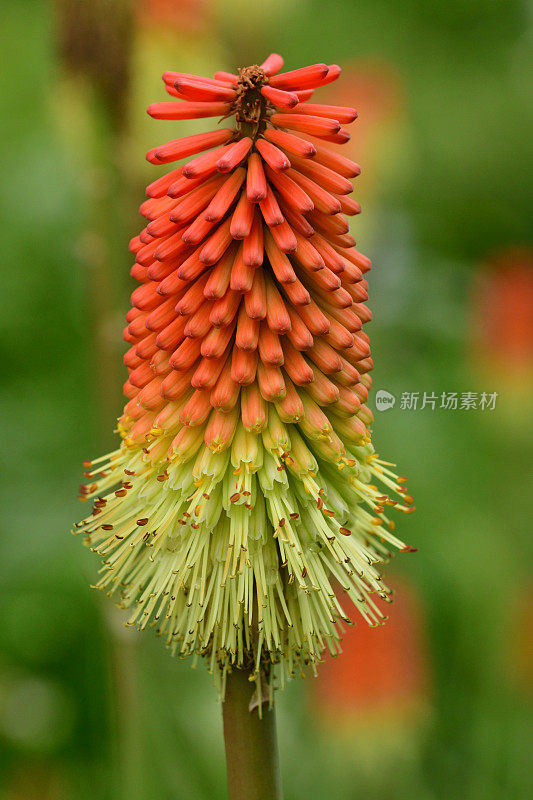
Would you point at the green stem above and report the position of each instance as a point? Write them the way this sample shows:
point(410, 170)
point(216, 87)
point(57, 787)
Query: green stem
point(251, 745)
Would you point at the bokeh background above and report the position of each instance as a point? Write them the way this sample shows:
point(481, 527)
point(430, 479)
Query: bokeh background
point(437, 703)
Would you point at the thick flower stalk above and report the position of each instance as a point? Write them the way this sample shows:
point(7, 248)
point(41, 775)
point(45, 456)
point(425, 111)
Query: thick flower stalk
point(246, 506)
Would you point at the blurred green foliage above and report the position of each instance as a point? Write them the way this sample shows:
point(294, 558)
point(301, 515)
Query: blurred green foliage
point(88, 709)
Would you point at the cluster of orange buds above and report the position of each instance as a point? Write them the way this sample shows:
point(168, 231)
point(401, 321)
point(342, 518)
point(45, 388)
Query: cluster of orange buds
point(246, 486)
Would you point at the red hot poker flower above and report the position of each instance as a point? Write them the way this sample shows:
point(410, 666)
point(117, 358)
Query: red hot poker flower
point(246, 483)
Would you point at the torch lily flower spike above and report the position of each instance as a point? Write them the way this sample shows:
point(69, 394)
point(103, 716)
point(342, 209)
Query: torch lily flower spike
point(246, 490)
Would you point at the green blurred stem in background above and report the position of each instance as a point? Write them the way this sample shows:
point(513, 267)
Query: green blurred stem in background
point(251, 744)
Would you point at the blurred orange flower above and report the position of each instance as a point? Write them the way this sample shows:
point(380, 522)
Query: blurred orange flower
point(502, 311)
point(383, 670)
point(380, 100)
point(188, 15)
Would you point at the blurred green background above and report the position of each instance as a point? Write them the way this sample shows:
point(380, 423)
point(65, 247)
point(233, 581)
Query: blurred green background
point(437, 703)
